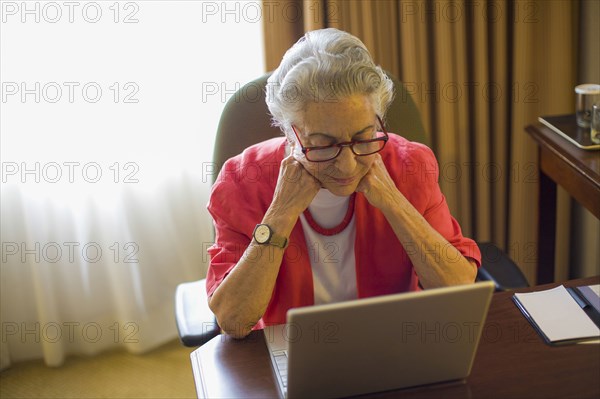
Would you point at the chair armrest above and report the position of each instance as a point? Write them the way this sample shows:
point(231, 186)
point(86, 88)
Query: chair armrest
point(196, 323)
point(496, 266)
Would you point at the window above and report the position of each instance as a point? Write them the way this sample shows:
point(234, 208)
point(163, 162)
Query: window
point(108, 116)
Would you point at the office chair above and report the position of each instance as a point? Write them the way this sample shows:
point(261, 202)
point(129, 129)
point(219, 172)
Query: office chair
point(245, 121)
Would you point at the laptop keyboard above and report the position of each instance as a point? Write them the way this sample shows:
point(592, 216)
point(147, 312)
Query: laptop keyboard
point(281, 361)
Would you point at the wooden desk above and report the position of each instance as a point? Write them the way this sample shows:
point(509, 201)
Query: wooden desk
point(512, 362)
point(577, 171)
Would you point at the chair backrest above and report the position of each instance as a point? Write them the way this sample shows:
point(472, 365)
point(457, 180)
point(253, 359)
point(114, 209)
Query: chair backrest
point(246, 120)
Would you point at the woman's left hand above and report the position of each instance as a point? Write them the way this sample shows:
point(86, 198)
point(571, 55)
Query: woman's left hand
point(378, 187)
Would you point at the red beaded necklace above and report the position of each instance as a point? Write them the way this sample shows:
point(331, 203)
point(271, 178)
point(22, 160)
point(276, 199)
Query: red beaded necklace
point(336, 229)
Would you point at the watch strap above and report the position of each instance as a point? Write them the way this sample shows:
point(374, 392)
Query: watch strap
point(278, 241)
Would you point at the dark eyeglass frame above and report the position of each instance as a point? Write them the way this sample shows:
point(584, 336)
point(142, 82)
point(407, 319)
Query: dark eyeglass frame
point(340, 146)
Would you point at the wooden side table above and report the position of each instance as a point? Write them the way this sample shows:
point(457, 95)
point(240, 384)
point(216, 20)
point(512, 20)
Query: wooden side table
point(577, 171)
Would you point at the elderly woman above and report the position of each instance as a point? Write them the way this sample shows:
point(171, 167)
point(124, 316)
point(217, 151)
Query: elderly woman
point(336, 210)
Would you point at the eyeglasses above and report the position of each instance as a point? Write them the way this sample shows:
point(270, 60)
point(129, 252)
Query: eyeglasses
point(358, 147)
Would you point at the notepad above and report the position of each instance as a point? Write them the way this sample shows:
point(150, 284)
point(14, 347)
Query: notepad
point(556, 315)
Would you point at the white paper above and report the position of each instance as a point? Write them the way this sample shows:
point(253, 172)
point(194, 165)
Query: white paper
point(558, 315)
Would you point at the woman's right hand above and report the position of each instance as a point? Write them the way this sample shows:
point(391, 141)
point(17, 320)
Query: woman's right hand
point(295, 188)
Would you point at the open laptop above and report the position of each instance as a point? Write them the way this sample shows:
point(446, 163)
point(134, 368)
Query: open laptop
point(380, 343)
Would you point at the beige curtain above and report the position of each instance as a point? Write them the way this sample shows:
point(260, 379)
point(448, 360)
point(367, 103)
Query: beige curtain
point(479, 73)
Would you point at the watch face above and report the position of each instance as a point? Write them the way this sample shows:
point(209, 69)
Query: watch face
point(262, 234)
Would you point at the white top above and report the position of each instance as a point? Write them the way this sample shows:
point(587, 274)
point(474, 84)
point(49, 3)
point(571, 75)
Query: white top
point(331, 257)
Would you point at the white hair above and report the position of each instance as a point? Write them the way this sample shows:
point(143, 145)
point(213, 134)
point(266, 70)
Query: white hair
point(325, 65)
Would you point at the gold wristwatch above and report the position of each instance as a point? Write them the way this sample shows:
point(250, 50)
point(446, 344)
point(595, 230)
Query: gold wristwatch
point(264, 235)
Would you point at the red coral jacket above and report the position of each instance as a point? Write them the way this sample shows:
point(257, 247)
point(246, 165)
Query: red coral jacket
point(244, 191)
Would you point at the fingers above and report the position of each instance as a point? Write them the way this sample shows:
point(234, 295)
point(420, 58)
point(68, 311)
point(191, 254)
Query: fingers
point(374, 183)
point(378, 169)
point(362, 187)
point(296, 187)
point(378, 163)
point(366, 182)
point(294, 171)
point(296, 152)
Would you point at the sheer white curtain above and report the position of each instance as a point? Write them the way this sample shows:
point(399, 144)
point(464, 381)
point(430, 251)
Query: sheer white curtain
point(108, 116)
